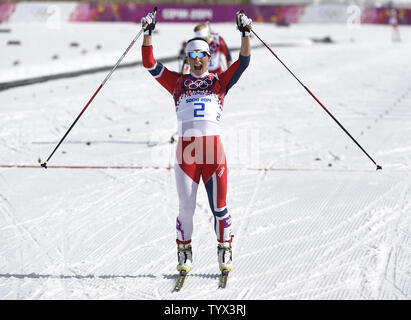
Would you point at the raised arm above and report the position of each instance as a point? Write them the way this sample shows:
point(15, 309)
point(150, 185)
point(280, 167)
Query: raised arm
point(234, 72)
point(244, 25)
point(147, 40)
point(245, 50)
point(165, 77)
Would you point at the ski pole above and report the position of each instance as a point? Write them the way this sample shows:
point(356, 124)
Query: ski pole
point(208, 23)
point(316, 99)
point(44, 165)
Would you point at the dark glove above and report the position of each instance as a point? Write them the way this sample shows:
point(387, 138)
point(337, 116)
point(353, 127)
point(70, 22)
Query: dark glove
point(243, 23)
point(149, 23)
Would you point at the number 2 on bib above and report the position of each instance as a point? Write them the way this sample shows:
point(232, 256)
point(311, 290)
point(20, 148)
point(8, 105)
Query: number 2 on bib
point(200, 109)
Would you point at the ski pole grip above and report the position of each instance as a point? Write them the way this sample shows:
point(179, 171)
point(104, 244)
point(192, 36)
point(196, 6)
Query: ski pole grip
point(154, 12)
point(247, 26)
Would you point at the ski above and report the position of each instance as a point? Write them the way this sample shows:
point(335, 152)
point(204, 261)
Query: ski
point(180, 281)
point(224, 278)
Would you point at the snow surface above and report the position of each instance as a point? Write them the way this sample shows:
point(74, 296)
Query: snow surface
point(319, 223)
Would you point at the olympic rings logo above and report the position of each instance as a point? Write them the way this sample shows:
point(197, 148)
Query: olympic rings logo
point(198, 84)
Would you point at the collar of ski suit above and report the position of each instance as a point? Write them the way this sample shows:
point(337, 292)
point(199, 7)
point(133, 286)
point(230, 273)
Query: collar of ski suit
point(202, 76)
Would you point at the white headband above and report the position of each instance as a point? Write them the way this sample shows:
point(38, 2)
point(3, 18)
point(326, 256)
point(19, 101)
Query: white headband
point(197, 45)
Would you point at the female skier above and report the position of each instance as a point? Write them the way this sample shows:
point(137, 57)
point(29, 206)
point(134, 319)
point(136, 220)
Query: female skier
point(198, 99)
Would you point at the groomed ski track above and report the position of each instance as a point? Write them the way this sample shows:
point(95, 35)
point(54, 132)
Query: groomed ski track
point(337, 229)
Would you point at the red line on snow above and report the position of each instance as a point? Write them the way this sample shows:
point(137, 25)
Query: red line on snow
point(15, 166)
point(82, 167)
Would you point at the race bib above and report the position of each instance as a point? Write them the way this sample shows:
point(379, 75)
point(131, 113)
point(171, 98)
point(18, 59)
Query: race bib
point(199, 107)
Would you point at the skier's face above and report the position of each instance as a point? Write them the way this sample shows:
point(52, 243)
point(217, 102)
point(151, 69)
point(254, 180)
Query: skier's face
point(199, 65)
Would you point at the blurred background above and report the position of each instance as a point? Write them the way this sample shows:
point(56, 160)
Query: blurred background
point(278, 11)
point(58, 23)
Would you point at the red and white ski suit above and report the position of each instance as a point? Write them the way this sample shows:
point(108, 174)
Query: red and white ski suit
point(199, 108)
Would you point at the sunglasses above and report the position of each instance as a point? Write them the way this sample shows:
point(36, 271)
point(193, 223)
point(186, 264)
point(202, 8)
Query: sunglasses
point(194, 54)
